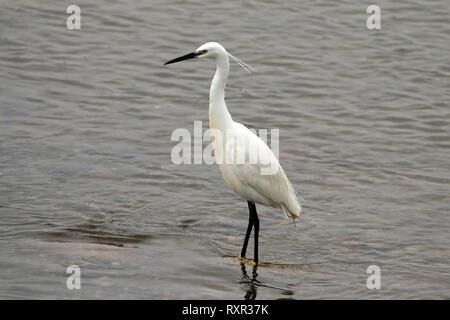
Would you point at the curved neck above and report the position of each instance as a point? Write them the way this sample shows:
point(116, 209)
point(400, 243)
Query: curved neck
point(219, 115)
point(217, 91)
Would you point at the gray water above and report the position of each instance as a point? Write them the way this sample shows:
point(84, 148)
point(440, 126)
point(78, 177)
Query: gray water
point(86, 177)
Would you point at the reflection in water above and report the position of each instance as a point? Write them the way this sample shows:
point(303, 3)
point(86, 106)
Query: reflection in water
point(250, 284)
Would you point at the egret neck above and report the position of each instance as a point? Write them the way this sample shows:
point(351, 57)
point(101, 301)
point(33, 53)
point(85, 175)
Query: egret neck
point(219, 117)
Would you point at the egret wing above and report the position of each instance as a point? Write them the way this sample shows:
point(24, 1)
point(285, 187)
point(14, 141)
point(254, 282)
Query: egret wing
point(265, 176)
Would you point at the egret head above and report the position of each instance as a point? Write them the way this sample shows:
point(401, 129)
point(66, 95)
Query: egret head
point(211, 50)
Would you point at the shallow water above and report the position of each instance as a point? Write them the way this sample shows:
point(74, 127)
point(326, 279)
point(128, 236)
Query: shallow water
point(86, 176)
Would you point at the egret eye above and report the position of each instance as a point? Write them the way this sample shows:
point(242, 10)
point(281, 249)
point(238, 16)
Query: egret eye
point(202, 51)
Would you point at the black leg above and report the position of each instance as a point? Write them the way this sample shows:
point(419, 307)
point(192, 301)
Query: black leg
point(256, 225)
point(249, 230)
point(252, 221)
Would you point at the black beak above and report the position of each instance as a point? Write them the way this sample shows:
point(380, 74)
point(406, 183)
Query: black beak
point(185, 57)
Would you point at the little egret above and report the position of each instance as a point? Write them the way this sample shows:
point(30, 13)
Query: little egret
point(232, 140)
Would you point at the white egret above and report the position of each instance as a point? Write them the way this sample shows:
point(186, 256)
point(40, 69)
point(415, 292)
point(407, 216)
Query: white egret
point(232, 140)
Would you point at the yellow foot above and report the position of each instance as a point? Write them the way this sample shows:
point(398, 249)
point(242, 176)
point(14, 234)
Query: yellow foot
point(245, 260)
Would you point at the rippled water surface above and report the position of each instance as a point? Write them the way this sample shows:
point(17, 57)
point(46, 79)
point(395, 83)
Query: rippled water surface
point(86, 178)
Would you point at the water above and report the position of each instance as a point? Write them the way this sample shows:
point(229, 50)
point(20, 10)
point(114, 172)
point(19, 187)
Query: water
point(86, 178)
